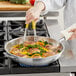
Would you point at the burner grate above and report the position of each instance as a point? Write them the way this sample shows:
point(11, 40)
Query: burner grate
point(18, 30)
point(2, 42)
point(4, 69)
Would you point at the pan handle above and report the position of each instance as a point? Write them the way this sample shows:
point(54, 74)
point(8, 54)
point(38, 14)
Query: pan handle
point(62, 39)
point(9, 56)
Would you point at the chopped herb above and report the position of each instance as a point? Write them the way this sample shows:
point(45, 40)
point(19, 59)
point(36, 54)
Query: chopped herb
point(35, 46)
point(50, 43)
point(41, 49)
point(45, 43)
point(40, 41)
point(30, 46)
point(35, 53)
point(28, 54)
point(32, 53)
point(59, 51)
point(26, 48)
point(21, 46)
point(40, 53)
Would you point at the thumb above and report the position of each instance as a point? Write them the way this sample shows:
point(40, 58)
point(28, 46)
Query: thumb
point(36, 20)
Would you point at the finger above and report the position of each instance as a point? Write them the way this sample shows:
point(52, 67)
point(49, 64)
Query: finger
point(28, 16)
point(30, 19)
point(72, 30)
point(28, 11)
point(36, 19)
point(72, 37)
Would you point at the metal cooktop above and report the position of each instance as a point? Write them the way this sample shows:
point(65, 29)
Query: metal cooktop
point(14, 29)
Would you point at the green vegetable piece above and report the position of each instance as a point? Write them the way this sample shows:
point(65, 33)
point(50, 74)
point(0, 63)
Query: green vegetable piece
point(28, 54)
point(35, 46)
point(40, 41)
point(41, 49)
point(45, 43)
point(21, 46)
point(26, 48)
point(30, 46)
point(59, 51)
point(50, 43)
point(35, 53)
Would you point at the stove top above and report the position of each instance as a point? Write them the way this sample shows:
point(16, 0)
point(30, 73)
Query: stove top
point(14, 29)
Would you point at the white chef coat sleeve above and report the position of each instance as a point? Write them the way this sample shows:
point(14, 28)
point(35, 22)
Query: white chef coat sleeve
point(51, 5)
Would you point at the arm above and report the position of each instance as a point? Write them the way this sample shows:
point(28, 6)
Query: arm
point(34, 12)
point(42, 7)
point(73, 35)
point(52, 4)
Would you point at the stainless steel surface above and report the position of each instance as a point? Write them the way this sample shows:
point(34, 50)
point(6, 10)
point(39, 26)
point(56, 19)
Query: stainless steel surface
point(52, 14)
point(12, 13)
point(42, 74)
point(33, 61)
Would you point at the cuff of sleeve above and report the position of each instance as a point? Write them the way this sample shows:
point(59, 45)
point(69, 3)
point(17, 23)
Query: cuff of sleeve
point(46, 6)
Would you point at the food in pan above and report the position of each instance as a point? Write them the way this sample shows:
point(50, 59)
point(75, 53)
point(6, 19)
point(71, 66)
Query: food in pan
point(31, 49)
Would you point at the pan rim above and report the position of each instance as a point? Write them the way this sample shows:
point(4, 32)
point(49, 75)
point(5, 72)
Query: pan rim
point(33, 58)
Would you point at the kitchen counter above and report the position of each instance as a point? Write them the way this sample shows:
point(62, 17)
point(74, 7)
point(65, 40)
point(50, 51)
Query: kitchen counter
point(44, 74)
point(7, 6)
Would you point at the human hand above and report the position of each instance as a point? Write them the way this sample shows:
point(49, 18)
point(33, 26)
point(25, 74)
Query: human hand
point(34, 12)
point(73, 35)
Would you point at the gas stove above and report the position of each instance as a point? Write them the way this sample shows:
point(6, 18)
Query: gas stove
point(14, 29)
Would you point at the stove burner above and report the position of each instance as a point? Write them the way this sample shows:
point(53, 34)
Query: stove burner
point(23, 65)
point(40, 24)
point(14, 29)
point(2, 27)
point(18, 31)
